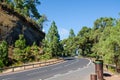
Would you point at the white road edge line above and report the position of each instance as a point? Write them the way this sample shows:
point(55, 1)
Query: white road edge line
point(6, 78)
point(69, 72)
point(89, 62)
point(57, 68)
point(71, 63)
point(36, 73)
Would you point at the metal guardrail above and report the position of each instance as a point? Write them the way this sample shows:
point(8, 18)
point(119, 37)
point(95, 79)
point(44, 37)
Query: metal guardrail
point(29, 66)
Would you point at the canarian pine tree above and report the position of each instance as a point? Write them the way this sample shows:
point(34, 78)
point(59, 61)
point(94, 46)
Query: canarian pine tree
point(51, 43)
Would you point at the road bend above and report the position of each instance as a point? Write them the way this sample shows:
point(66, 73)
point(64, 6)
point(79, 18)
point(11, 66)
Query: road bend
point(70, 69)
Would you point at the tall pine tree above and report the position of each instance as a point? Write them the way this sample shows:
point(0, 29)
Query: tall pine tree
point(51, 43)
point(69, 44)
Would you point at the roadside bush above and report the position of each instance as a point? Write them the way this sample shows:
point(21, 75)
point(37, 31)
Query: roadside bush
point(1, 64)
point(3, 53)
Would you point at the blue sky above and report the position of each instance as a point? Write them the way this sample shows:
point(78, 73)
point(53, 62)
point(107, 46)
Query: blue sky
point(76, 13)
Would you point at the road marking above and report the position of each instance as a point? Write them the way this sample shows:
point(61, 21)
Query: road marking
point(71, 63)
point(36, 73)
point(89, 63)
point(69, 72)
point(57, 68)
point(7, 79)
point(57, 75)
point(52, 65)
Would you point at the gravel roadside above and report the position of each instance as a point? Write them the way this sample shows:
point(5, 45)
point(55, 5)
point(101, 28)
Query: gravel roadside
point(111, 76)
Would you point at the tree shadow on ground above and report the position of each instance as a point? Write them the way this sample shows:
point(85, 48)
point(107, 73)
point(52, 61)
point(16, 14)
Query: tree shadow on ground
point(107, 75)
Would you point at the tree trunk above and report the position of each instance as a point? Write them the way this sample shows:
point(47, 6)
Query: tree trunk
point(116, 66)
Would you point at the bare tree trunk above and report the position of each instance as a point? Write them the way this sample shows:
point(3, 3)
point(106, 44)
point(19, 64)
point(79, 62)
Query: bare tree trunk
point(116, 62)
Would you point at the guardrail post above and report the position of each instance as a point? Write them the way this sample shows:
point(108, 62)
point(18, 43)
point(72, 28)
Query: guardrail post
point(12, 69)
point(39, 64)
point(54, 62)
point(93, 77)
point(33, 65)
point(49, 62)
point(24, 67)
point(99, 69)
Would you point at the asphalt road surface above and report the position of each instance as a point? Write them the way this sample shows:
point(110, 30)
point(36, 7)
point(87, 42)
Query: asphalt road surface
point(70, 69)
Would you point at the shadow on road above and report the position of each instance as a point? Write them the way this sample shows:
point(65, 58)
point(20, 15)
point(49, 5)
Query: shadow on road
point(69, 58)
point(107, 75)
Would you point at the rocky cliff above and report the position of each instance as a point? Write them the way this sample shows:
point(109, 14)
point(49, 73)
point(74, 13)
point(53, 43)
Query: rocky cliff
point(12, 24)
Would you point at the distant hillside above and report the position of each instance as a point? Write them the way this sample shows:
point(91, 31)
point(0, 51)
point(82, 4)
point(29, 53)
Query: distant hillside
point(12, 24)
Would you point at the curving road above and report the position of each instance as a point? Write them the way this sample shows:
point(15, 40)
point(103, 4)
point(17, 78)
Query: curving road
point(78, 68)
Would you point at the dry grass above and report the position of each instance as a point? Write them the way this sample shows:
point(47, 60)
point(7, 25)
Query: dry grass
point(6, 19)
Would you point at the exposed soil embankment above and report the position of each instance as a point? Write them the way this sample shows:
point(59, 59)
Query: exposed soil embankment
point(12, 24)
